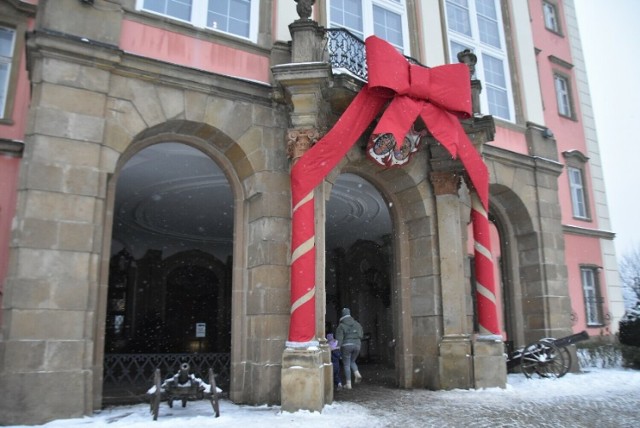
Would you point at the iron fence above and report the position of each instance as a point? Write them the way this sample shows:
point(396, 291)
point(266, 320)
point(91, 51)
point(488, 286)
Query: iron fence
point(129, 375)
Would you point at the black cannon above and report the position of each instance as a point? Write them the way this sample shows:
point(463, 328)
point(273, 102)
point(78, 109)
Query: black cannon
point(547, 357)
point(182, 386)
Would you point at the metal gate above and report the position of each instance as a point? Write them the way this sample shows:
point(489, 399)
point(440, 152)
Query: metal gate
point(127, 377)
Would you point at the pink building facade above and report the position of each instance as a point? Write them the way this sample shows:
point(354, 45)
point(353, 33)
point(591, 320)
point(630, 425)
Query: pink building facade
point(145, 197)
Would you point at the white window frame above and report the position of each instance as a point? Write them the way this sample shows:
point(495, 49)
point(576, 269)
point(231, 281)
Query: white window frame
point(480, 49)
point(5, 86)
point(592, 298)
point(578, 193)
point(550, 13)
point(562, 85)
point(395, 6)
point(199, 17)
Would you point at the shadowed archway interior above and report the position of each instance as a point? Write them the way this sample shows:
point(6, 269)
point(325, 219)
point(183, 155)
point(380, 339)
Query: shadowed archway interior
point(358, 264)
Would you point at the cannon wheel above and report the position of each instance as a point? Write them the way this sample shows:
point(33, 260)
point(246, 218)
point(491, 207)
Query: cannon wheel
point(214, 393)
point(155, 398)
point(566, 354)
point(542, 358)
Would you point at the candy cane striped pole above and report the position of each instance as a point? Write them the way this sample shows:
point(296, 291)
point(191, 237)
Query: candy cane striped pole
point(303, 246)
point(303, 272)
point(487, 306)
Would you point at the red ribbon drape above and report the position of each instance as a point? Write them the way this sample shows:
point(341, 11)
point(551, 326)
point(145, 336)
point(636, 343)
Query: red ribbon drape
point(440, 96)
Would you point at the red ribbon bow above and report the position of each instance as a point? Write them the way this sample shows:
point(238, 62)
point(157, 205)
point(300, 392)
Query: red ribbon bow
point(439, 95)
point(416, 90)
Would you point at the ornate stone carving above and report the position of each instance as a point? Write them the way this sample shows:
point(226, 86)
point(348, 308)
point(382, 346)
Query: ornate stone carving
point(299, 141)
point(445, 182)
point(304, 8)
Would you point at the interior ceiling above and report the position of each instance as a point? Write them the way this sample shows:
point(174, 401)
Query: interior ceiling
point(173, 190)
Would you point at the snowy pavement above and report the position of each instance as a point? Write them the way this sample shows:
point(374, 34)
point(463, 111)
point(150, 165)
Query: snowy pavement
point(599, 398)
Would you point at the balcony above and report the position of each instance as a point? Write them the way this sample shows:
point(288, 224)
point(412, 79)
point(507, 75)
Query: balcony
point(346, 53)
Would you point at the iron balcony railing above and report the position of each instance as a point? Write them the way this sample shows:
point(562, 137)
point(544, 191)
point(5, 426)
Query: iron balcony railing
point(347, 52)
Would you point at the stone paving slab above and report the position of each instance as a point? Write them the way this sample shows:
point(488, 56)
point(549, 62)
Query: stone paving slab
point(616, 407)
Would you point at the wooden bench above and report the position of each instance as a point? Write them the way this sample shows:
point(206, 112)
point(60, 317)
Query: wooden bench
point(182, 386)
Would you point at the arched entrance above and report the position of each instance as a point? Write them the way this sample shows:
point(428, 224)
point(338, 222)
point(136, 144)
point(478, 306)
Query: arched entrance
point(169, 294)
point(358, 264)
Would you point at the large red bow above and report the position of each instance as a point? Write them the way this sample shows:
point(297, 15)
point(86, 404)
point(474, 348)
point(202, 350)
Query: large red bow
point(416, 90)
point(439, 95)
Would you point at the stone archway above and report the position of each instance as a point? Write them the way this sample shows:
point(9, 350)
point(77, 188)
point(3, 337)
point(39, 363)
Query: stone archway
point(413, 318)
point(182, 253)
point(518, 246)
point(359, 262)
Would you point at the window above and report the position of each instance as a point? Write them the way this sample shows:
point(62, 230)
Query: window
point(550, 17)
point(386, 19)
point(236, 17)
point(578, 199)
point(592, 299)
point(477, 25)
point(7, 45)
point(563, 95)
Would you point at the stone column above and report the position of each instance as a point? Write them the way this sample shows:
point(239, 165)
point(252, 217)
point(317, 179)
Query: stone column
point(306, 376)
point(306, 379)
point(455, 363)
point(47, 368)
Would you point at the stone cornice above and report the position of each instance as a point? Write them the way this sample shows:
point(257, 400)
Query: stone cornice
point(575, 154)
point(107, 57)
point(520, 160)
point(560, 62)
point(582, 231)
point(23, 6)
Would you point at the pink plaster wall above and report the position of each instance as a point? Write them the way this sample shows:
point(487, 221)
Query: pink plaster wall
point(9, 167)
point(509, 139)
point(570, 135)
point(16, 129)
point(204, 55)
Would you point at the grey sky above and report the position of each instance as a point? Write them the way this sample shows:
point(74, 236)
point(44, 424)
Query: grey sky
point(610, 32)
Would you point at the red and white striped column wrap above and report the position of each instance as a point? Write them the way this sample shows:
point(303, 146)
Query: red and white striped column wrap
point(303, 259)
point(303, 250)
point(487, 307)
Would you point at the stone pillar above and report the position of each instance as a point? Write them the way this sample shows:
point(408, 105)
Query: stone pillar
point(306, 366)
point(455, 362)
point(49, 328)
point(306, 41)
point(306, 379)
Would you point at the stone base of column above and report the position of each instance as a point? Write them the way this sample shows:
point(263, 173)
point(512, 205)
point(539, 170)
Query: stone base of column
point(328, 373)
point(303, 380)
point(489, 362)
point(455, 361)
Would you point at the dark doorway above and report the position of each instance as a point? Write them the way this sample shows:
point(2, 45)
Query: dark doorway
point(169, 292)
point(192, 305)
point(358, 264)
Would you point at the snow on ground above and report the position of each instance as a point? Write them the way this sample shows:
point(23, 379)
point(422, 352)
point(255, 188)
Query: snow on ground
point(592, 383)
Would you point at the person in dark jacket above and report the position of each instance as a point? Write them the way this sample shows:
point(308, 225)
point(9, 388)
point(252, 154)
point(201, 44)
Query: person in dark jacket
point(349, 336)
